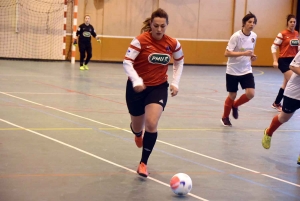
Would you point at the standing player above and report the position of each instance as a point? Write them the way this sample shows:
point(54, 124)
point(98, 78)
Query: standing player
point(146, 65)
point(291, 103)
point(85, 31)
point(240, 53)
point(288, 43)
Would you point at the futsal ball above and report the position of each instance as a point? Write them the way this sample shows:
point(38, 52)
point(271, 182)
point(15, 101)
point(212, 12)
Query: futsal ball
point(181, 184)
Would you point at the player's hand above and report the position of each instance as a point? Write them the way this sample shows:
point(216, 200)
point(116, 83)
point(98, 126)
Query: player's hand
point(139, 88)
point(98, 40)
point(174, 90)
point(275, 64)
point(253, 57)
point(248, 53)
point(75, 42)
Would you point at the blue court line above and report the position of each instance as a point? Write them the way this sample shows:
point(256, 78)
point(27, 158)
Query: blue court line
point(167, 153)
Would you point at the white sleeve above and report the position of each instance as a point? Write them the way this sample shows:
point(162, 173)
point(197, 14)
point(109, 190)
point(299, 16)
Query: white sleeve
point(177, 71)
point(277, 42)
point(130, 56)
point(232, 43)
point(177, 65)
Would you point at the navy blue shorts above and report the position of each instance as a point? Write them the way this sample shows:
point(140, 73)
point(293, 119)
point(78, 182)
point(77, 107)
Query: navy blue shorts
point(290, 105)
point(136, 102)
point(246, 81)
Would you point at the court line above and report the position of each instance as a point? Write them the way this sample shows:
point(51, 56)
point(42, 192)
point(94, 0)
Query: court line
point(172, 145)
point(95, 156)
point(161, 129)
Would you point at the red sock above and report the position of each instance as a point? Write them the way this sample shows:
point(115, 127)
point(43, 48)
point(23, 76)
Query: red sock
point(273, 126)
point(243, 99)
point(227, 107)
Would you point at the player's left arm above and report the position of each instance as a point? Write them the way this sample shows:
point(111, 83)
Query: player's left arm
point(177, 68)
point(253, 56)
point(93, 32)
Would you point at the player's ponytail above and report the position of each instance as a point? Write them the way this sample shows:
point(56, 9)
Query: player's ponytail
point(146, 25)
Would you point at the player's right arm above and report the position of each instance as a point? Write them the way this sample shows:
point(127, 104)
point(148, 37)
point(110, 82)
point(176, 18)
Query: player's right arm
point(132, 52)
point(229, 52)
point(295, 64)
point(77, 34)
point(277, 42)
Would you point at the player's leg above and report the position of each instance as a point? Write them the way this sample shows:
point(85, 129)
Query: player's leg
point(89, 56)
point(247, 83)
point(155, 102)
point(288, 108)
point(283, 65)
point(136, 107)
point(232, 88)
point(82, 55)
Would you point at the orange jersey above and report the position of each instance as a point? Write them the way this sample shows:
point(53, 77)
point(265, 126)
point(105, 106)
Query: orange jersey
point(150, 57)
point(288, 43)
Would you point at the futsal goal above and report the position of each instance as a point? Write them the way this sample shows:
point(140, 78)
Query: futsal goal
point(34, 29)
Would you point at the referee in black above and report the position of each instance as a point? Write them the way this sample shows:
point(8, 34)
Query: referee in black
point(85, 31)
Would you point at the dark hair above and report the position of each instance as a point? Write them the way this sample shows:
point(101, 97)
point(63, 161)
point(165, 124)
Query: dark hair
point(290, 16)
point(249, 16)
point(158, 13)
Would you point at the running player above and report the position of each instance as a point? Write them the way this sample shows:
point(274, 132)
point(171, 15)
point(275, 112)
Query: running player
point(146, 65)
point(240, 53)
point(291, 103)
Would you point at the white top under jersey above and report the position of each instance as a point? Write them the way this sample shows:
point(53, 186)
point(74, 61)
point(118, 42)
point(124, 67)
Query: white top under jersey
point(239, 42)
point(292, 89)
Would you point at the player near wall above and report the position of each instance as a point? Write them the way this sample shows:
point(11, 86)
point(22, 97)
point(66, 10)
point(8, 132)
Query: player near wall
point(84, 33)
point(288, 43)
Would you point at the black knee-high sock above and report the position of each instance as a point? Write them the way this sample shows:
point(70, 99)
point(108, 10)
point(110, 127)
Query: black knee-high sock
point(148, 144)
point(279, 96)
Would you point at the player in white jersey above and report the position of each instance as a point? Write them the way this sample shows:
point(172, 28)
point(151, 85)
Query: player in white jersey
point(291, 103)
point(240, 53)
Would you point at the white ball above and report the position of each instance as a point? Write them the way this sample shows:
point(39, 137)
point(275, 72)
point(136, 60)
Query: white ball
point(181, 184)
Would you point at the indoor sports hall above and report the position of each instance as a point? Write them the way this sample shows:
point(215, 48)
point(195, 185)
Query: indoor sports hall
point(65, 133)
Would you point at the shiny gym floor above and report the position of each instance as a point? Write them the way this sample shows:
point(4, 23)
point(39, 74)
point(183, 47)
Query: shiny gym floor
point(65, 136)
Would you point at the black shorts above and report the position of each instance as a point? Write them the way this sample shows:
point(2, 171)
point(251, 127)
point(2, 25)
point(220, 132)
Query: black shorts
point(246, 81)
point(284, 63)
point(290, 105)
point(136, 102)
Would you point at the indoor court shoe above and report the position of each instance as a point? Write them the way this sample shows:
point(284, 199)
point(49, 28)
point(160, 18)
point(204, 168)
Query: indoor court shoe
point(86, 67)
point(226, 121)
point(277, 107)
point(235, 112)
point(138, 141)
point(298, 161)
point(266, 141)
point(142, 170)
point(81, 68)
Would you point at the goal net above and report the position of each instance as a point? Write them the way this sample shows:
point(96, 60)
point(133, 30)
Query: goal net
point(32, 29)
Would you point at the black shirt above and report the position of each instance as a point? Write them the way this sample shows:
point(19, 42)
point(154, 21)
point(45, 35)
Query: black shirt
point(85, 32)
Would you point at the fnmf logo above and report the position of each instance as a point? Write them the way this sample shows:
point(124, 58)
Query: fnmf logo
point(294, 42)
point(157, 58)
point(86, 34)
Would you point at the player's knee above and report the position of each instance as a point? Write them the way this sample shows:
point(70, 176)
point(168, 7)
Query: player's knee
point(250, 95)
point(151, 126)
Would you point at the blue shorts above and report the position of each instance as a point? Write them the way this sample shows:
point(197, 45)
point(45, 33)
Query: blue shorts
point(290, 105)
